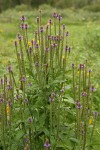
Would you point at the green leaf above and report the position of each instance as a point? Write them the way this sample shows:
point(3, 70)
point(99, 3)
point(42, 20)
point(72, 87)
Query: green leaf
point(19, 135)
point(46, 131)
point(69, 100)
point(42, 118)
point(74, 140)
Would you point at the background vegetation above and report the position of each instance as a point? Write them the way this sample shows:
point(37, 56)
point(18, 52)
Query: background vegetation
point(94, 4)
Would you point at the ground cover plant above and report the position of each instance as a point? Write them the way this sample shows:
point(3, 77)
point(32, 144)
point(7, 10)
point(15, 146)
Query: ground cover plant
point(50, 105)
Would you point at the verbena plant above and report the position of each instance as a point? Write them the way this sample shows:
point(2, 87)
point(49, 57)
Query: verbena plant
point(50, 106)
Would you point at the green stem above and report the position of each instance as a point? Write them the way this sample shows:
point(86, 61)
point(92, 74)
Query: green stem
point(22, 58)
point(61, 53)
point(55, 25)
point(51, 118)
point(79, 83)
point(92, 130)
point(74, 83)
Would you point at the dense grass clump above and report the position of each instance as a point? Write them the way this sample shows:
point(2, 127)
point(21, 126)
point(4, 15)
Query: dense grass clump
point(93, 39)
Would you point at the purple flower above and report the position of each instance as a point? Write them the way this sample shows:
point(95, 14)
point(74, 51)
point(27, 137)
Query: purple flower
point(73, 65)
point(9, 68)
point(2, 81)
point(50, 21)
point(92, 88)
point(26, 26)
point(9, 87)
point(23, 79)
point(81, 66)
point(95, 113)
point(59, 17)
point(54, 15)
point(57, 38)
point(9, 102)
point(67, 33)
point(61, 38)
point(66, 48)
point(19, 37)
point(26, 101)
point(53, 38)
point(33, 42)
point(41, 29)
point(47, 144)
point(37, 19)
point(30, 84)
point(63, 26)
point(23, 18)
point(17, 96)
point(26, 140)
point(22, 25)
point(52, 97)
point(53, 94)
point(16, 43)
point(62, 90)
point(1, 100)
point(49, 37)
point(54, 45)
point(78, 105)
point(30, 120)
point(90, 70)
point(36, 64)
point(84, 94)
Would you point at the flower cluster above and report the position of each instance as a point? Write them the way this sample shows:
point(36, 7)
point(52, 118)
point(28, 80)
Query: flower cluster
point(47, 145)
point(78, 105)
point(52, 97)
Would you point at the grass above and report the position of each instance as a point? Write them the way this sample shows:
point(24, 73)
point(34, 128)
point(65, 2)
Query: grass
point(78, 22)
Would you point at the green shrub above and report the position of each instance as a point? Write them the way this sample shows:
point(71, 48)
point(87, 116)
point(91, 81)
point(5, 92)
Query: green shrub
point(22, 7)
point(45, 7)
point(63, 3)
point(94, 8)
